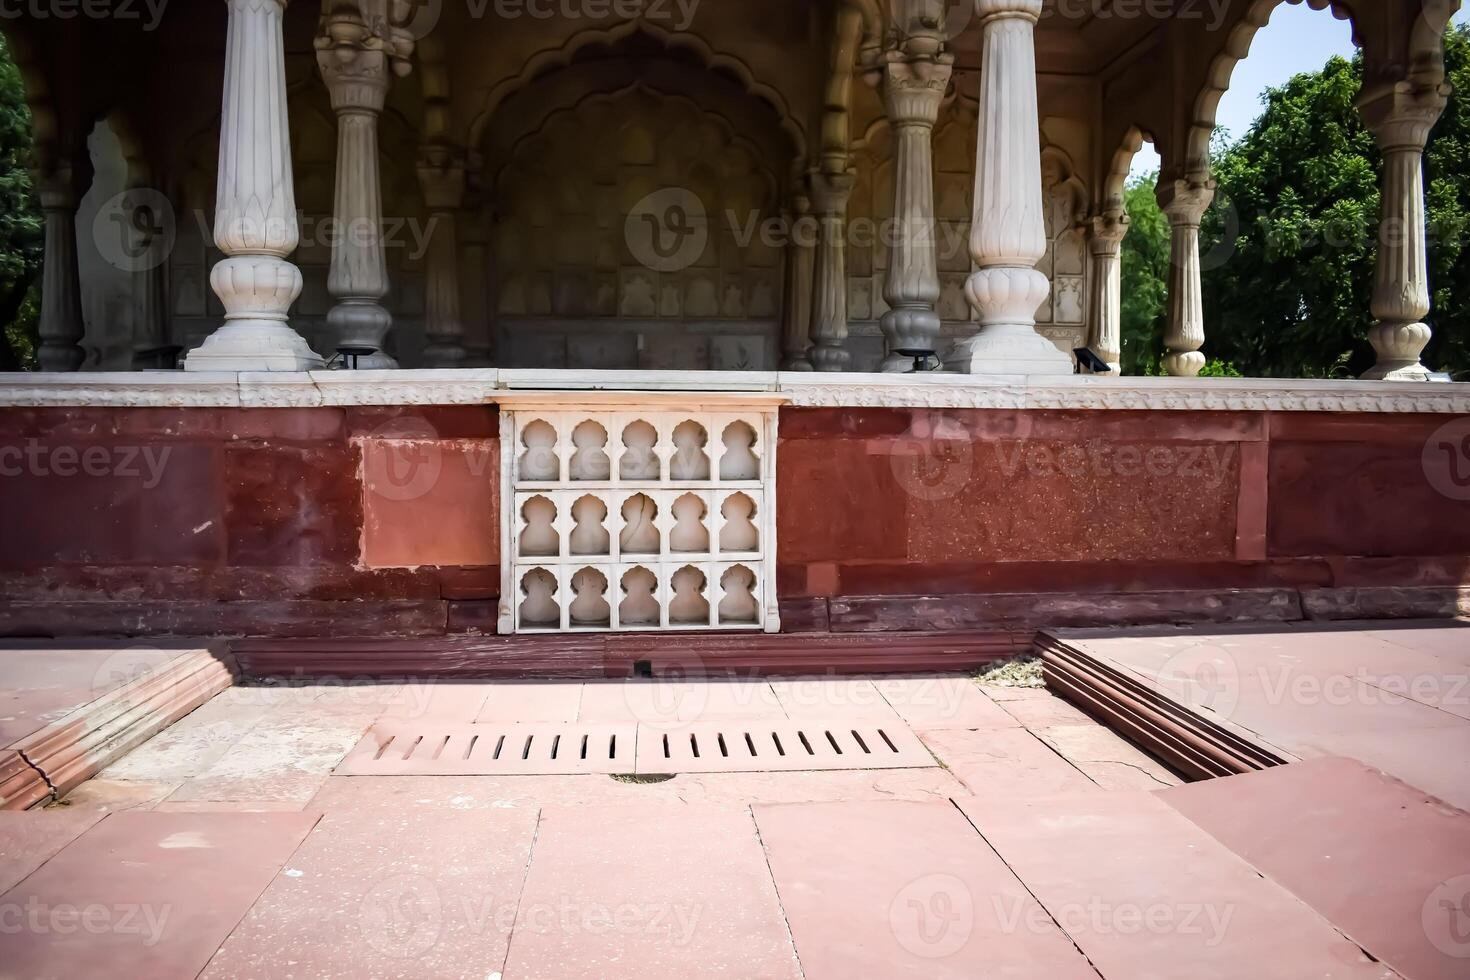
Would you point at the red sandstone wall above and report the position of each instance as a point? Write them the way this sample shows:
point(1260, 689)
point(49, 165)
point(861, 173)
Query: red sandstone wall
point(289, 521)
point(373, 521)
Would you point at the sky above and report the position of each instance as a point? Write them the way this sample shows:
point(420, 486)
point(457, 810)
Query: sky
point(1297, 39)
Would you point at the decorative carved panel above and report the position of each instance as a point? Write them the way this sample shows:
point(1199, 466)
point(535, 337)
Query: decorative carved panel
point(639, 520)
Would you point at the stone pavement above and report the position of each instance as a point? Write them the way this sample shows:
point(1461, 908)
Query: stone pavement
point(1036, 844)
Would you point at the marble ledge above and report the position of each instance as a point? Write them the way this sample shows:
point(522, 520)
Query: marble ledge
point(170, 389)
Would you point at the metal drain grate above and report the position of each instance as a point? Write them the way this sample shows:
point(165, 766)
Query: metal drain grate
point(786, 747)
point(406, 749)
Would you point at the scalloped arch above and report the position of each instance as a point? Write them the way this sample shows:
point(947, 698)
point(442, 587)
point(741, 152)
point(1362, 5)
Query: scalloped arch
point(1116, 181)
point(551, 59)
point(1217, 80)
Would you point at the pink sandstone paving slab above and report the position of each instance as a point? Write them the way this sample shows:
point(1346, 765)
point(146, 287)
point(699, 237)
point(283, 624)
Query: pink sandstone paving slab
point(441, 701)
point(1386, 863)
point(29, 838)
point(1448, 642)
point(1146, 893)
point(996, 692)
point(190, 745)
point(855, 698)
point(1106, 758)
point(894, 889)
point(532, 702)
point(280, 759)
point(649, 893)
point(677, 702)
point(389, 893)
point(1007, 761)
point(733, 788)
point(1436, 761)
point(112, 795)
point(943, 701)
point(163, 890)
point(1036, 713)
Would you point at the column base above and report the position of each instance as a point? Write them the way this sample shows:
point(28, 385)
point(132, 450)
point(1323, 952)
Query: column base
point(1008, 348)
point(1397, 371)
point(1184, 364)
point(797, 364)
point(445, 355)
point(253, 345)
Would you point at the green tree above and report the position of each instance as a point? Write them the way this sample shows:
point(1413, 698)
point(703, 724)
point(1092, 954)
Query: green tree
point(1145, 258)
point(1290, 244)
point(21, 229)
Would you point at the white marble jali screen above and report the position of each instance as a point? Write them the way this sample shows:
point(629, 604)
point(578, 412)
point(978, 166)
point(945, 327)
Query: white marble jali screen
point(628, 519)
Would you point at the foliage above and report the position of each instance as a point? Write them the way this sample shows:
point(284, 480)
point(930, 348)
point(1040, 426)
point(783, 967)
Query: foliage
point(1289, 247)
point(1291, 243)
point(21, 229)
point(1145, 258)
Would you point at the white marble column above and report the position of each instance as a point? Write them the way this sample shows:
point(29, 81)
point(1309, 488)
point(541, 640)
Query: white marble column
point(1400, 117)
point(796, 338)
point(1008, 233)
point(1184, 202)
point(255, 205)
point(1105, 243)
point(830, 192)
point(354, 66)
point(442, 178)
point(61, 326)
point(913, 88)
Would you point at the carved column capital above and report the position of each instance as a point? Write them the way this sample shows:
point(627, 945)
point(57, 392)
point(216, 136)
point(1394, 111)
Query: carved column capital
point(442, 176)
point(1185, 201)
point(356, 75)
point(830, 191)
point(913, 88)
point(1401, 114)
point(1022, 9)
point(1107, 230)
point(56, 187)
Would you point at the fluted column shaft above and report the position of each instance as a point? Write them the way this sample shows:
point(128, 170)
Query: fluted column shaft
point(1105, 244)
point(255, 205)
point(796, 338)
point(1185, 203)
point(357, 79)
point(1400, 117)
point(1008, 233)
point(830, 193)
point(442, 177)
point(61, 326)
point(912, 89)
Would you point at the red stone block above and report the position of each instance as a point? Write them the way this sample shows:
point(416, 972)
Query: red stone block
point(292, 505)
point(1358, 499)
point(838, 500)
point(128, 502)
point(430, 503)
point(424, 421)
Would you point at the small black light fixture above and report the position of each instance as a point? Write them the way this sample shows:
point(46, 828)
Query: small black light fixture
point(921, 357)
point(348, 355)
point(1089, 363)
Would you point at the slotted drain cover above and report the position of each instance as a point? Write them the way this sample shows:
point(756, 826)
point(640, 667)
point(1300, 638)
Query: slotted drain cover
point(407, 749)
point(785, 747)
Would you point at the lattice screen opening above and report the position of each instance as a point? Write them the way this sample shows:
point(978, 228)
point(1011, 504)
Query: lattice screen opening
point(639, 520)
